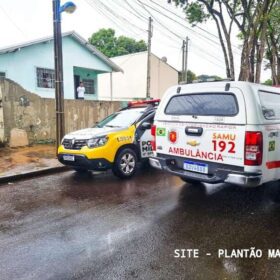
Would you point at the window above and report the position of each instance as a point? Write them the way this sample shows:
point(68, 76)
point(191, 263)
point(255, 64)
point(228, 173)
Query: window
point(203, 104)
point(2, 75)
point(89, 86)
point(45, 78)
point(123, 118)
point(270, 105)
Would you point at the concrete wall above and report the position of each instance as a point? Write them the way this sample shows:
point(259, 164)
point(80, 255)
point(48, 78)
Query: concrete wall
point(20, 66)
point(133, 82)
point(2, 136)
point(36, 115)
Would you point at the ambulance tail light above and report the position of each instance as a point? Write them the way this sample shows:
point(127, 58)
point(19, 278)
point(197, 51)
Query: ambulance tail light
point(253, 148)
point(153, 132)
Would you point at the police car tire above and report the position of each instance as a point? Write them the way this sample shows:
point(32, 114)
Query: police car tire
point(117, 168)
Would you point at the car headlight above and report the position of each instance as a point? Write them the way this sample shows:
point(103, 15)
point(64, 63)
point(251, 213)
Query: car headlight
point(97, 142)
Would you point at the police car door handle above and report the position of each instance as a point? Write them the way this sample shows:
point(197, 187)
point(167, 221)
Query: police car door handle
point(194, 131)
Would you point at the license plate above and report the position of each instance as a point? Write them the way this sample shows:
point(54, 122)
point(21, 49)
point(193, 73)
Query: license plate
point(196, 167)
point(69, 157)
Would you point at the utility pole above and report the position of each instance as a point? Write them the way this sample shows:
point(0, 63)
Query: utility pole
point(59, 96)
point(186, 59)
point(150, 35)
point(183, 62)
point(68, 7)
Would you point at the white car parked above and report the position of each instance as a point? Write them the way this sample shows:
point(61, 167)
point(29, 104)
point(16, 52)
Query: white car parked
point(219, 132)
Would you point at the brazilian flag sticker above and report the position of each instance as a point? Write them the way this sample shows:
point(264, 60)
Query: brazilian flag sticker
point(161, 131)
point(271, 146)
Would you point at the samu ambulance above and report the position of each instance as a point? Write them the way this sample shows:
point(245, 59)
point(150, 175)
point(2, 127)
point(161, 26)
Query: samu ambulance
point(219, 132)
point(118, 142)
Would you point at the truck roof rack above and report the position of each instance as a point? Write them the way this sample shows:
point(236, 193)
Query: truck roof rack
point(213, 80)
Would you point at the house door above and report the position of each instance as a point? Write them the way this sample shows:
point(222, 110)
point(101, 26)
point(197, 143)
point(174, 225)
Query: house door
point(76, 84)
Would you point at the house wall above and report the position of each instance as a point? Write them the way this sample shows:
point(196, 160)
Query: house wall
point(127, 85)
point(162, 77)
point(133, 82)
point(20, 65)
point(38, 118)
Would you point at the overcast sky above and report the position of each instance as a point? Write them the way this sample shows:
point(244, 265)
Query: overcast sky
point(24, 20)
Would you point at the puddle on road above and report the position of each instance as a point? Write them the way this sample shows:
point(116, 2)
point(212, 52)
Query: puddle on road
point(17, 160)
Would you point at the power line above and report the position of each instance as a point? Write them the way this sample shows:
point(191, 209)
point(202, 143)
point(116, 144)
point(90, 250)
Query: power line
point(184, 20)
point(181, 37)
point(13, 22)
point(138, 15)
point(208, 59)
point(204, 51)
point(102, 10)
point(163, 28)
point(180, 25)
point(118, 16)
point(145, 20)
point(156, 20)
point(108, 16)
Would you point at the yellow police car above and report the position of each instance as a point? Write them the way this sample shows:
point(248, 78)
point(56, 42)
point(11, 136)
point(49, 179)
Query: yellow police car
point(118, 142)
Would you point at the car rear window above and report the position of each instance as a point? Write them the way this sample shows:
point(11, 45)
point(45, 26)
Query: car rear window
point(203, 104)
point(270, 105)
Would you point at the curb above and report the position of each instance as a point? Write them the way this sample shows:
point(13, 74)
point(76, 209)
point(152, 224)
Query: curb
point(31, 174)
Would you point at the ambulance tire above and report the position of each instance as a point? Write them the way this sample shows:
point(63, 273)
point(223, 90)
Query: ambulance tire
point(190, 181)
point(125, 164)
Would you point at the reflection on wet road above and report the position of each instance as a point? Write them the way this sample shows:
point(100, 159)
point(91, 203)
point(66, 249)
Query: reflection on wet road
point(70, 226)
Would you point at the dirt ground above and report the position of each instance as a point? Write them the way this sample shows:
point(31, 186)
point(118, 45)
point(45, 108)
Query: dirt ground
point(19, 160)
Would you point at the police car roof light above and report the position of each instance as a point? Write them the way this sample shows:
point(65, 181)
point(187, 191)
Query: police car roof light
point(154, 102)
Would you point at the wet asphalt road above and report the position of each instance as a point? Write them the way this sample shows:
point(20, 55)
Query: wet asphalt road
point(69, 226)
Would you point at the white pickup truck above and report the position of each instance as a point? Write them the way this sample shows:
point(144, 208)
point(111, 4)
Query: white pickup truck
point(219, 132)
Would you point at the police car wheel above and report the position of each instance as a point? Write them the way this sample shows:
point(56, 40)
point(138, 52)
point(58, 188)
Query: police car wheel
point(125, 164)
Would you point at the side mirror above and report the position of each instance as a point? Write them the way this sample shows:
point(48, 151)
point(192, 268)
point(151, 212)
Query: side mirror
point(146, 125)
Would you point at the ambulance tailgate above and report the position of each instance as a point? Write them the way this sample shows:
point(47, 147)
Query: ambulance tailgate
point(203, 127)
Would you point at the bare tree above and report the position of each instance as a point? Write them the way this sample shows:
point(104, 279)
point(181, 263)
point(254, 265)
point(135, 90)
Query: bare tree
point(251, 17)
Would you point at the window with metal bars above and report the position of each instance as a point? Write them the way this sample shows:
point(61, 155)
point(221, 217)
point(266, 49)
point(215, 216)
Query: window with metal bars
point(45, 78)
point(89, 86)
point(2, 75)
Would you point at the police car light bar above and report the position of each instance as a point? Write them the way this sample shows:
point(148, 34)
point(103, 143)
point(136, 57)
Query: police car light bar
point(154, 102)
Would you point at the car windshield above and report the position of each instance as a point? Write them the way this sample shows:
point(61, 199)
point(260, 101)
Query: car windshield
point(123, 118)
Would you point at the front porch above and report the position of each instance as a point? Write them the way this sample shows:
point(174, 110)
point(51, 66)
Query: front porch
point(89, 79)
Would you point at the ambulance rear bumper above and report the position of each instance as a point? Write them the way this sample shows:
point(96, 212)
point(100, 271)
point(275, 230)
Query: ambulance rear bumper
point(244, 180)
point(221, 173)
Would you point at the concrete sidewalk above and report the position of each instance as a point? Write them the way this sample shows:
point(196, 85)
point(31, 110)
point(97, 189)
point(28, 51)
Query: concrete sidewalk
point(24, 162)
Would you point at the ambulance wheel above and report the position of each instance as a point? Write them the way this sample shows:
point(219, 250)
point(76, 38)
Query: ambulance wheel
point(125, 164)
